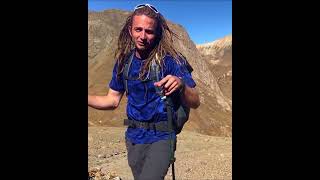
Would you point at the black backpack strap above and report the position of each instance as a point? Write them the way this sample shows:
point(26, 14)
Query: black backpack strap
point(154, 76)
point(158, 126)
point(126, 71)
point(187, 64)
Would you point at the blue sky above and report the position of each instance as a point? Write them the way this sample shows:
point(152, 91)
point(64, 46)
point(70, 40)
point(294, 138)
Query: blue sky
point(204, 20)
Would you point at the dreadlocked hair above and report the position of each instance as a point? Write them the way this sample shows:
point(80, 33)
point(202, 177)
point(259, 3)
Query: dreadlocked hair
point(163, 43)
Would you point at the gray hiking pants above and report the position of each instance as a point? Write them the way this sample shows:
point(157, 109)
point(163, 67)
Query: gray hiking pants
point(149, 161)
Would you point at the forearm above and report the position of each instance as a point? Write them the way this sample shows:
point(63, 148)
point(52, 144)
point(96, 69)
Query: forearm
point(102, 102)
point(190, 97)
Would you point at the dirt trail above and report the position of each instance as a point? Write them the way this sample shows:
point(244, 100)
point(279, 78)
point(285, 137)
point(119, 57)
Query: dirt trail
point(198, 156)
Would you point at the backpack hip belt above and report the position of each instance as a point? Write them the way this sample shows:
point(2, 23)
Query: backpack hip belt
point(157, 126)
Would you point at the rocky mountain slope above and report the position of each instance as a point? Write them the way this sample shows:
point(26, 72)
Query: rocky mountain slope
point(218, 54)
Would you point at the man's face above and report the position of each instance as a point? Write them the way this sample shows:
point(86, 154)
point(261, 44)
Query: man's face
point(143, 32)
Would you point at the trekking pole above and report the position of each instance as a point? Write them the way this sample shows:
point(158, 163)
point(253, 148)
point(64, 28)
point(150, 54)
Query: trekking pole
point(173, 175)
point(171, 130)
point(169, 104)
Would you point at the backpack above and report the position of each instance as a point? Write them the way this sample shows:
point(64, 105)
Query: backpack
point(182, 111)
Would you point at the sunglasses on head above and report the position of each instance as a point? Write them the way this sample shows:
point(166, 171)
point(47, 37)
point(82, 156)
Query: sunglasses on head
point(146, 5)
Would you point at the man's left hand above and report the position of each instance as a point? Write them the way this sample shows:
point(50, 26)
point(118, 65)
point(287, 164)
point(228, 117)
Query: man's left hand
point(170, 84)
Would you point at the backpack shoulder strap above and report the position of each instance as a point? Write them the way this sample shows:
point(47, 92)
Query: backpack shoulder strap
point(155, 76)
point(126, 71)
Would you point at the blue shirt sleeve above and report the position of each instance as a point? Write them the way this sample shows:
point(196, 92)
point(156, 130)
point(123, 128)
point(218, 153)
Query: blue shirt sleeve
point(179, 70)
point(116, 84)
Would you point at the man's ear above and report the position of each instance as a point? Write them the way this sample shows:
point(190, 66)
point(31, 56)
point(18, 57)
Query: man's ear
point(129, 29)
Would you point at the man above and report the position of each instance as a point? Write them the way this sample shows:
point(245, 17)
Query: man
point(147, 35)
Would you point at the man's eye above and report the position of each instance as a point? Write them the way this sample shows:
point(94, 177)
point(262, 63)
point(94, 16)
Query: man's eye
point(149, 32)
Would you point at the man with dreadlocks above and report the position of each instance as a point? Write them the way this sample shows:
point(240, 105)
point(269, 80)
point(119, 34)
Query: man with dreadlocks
point(147, 39)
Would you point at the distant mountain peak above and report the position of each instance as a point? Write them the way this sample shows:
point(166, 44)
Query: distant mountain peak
point(222, 43)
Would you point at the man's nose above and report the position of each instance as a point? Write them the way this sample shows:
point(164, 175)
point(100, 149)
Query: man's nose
point(143, 35)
